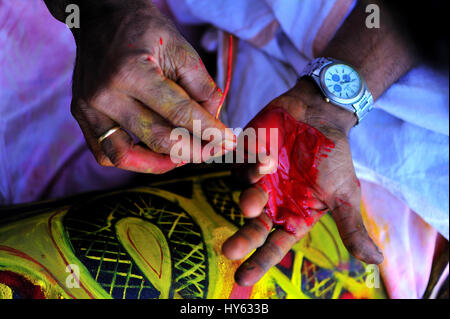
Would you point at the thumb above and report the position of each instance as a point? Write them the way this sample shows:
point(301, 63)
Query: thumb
point(351, 228)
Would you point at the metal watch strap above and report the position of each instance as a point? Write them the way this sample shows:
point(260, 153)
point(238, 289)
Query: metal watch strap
point(363, 106)
point(315, 65)
point(360, 108)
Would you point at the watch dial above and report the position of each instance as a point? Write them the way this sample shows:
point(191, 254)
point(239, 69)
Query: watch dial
point(342, 81)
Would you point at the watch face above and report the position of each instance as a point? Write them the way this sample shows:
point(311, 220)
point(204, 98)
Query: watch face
point(342, 82)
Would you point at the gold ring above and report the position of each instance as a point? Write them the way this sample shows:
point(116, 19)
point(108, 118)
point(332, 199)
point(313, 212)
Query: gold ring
point(108, 134)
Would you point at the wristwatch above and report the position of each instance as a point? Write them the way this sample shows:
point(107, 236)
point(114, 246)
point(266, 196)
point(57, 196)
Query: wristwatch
point(341, 85)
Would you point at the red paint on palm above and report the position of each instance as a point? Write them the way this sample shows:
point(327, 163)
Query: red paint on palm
point(292, 187)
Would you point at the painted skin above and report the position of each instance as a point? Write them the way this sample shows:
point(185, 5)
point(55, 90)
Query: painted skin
point(292, 187)
point(136, 71)
point(311, 184)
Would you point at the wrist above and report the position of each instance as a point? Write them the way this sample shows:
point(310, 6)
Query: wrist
point(313, 109)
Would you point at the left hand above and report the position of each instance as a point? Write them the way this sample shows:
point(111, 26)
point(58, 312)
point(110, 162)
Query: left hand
point(336, 189)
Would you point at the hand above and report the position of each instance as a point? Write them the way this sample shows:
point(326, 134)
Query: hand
point(336, 188)
point(135, 70)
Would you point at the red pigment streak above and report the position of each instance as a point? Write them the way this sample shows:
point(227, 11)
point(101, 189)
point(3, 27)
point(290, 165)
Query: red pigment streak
point(229, 66)
point(342, 202)
point(264, 223)
point(49, 225)
point(291, 188)
point(22, 255)
point(137, 250)
point(160, 41)
point(23, 286)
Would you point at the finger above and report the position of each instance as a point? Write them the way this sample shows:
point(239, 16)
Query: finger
point(194, 78)
point(90, 138)
point(124, 154)
point(252, 201)
point(174, 104)
point(353, 233)
point(148, 126)
point(272, 252)
point(248, 238)
point(257, 163)
point(121, 150)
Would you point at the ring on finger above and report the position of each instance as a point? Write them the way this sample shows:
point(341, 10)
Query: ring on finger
point(110, 132)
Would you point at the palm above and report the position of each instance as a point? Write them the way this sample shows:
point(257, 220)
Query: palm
point(318, 176)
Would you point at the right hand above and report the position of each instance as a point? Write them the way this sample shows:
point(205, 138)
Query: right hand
point(335, 188)
point(135, 70)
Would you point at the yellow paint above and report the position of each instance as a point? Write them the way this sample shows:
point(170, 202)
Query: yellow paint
point(322, 247)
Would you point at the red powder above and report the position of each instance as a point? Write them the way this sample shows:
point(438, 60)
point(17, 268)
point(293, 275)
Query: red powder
point(229, 67)
point(160, 41)
point(300, 150)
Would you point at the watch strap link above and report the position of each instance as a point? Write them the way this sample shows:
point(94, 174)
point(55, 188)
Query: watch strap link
point(314, 67)
point(360, 108)
point(364, 105)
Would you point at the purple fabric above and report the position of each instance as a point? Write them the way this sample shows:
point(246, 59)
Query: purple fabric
point(42, 150)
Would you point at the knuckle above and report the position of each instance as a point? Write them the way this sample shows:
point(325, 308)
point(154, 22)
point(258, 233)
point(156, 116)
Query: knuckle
point(158, 143)
point(275, 251)
point(256, 233)
point(349, 236)
point(100, 98)
point(181, 114)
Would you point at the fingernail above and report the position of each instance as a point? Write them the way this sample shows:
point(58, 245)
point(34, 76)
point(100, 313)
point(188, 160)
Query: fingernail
point(228, 145)
point(230, 140)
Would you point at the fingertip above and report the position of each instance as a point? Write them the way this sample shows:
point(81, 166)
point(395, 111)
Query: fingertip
point(379, 259)
point(241, 280)
point(366, 251)
point(377, 256)
point(252, 202)
point(248, 274)
point(235, 247)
